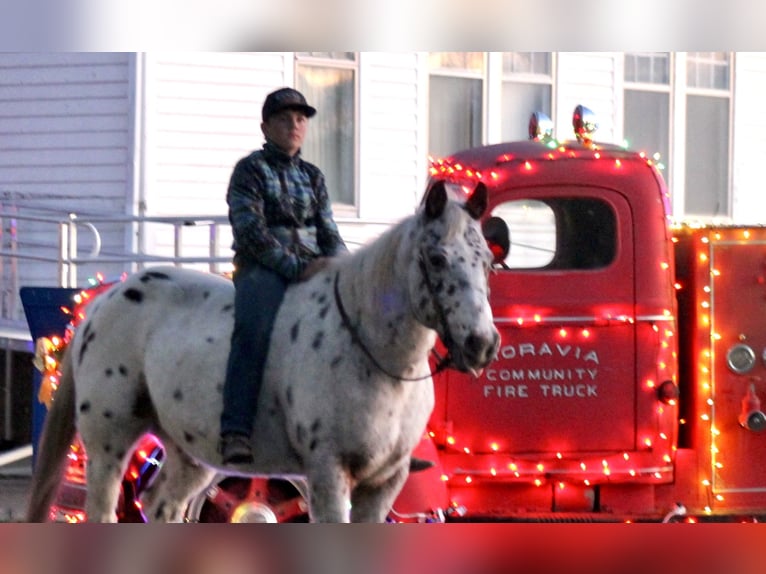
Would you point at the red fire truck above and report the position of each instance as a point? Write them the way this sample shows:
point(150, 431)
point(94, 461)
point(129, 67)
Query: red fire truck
point(633, 357)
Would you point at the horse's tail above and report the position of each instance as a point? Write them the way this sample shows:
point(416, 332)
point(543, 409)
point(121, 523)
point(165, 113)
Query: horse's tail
point(57, 436)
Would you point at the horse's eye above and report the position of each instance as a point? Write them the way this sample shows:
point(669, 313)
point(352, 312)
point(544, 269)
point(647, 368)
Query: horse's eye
point(437, 260)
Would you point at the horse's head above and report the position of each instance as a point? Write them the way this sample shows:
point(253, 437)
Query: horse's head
point(451, 292)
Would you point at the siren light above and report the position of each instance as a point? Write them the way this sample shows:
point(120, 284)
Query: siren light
point(584, 124)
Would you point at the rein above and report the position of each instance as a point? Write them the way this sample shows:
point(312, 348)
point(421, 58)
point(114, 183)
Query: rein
point(442, 362)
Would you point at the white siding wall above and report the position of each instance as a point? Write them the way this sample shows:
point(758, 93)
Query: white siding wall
point(66, 133)
point(392, 157)
point(202, 116)
point(590, 79)
point(749, 190)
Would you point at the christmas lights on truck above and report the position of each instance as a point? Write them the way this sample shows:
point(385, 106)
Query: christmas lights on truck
point(628, 383)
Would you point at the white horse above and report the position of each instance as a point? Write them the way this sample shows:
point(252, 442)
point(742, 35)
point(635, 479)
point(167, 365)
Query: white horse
point(347, 390)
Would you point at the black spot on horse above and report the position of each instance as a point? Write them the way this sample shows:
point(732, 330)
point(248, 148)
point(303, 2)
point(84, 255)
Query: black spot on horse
point(146, 277)
point(219, 387)
point(289, 396)
point(313, 445)
point(336, 361)
point(317, 342)
point(85, 407)
point(323, 311)
point(188, 437)
point(108, 372)
point(300, 433)
point(315, 426)
point(133, 295)
point(107, 448)
point(451, 289)
point(160, 509)
point(227, 308)
point(142, 406)
point(178, 395)
point(108, 414)
point(210, 339)
point(120, 455)
point(206, 294)
point(123, 370)
point(294, 331)
point(82, 352)
point(321, 299)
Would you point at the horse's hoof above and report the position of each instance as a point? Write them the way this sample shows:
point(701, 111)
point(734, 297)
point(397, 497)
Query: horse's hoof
point(418, 464)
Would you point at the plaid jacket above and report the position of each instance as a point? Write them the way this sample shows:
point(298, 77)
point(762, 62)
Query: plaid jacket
point(280, 212)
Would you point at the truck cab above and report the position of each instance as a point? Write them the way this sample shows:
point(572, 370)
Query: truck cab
point(582, 400)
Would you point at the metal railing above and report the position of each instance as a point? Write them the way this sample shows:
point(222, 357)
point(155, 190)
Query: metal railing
point(66, 256)
point(70, 258)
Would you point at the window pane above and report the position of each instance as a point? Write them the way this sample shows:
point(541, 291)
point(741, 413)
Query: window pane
point(647, 67)
point(707, 156)
point(330, 140)
point(467, 61)
point(455, 115)
point(647, 123)
point(708, 70)
point(527, 63)
point(555, 234)
point(520, 101)
point(532, 231)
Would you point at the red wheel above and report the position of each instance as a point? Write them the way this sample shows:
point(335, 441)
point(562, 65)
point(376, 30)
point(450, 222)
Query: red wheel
point(250, 500)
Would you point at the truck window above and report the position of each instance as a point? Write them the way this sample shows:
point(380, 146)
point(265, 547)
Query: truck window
point(559, 233)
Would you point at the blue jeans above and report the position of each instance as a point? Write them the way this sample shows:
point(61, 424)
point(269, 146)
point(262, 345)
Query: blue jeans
point(258, 295)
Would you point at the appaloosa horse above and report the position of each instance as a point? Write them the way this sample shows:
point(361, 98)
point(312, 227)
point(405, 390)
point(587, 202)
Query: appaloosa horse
point(347, 390)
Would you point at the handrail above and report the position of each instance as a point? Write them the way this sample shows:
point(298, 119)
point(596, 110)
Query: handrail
point(68, 257)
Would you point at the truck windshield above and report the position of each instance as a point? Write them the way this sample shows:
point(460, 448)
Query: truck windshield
point(559, 233)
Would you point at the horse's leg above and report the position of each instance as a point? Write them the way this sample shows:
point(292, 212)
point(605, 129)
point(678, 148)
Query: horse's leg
point(108, 447)
point(373, 503)
point(179, 479)
point(329, 493)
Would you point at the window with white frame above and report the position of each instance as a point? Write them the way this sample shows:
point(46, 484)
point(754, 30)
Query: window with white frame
point(328, 80)
point(708, 108)
point(647, 104)
point(527, 88)
point(456, 94)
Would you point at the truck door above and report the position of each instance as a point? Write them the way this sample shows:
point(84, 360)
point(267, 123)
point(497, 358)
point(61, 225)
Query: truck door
point(564, 301)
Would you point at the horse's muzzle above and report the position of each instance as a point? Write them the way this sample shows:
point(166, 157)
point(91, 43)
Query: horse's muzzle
point(477, 352)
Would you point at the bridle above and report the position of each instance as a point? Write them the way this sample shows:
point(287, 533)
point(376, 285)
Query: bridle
point(442, 363)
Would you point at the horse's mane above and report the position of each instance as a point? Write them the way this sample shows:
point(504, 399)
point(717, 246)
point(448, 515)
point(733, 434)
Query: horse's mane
point(384, 251)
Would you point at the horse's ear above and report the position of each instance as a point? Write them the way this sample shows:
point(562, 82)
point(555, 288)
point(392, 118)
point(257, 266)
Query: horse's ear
point(436, 200)
point(477, 203)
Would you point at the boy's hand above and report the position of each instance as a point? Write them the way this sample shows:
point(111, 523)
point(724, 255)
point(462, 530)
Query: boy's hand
point(314, 267)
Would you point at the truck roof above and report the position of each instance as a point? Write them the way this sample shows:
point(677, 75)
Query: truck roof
point(493, 156)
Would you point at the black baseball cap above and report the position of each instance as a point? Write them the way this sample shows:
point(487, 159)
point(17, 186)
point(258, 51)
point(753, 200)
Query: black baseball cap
point(283, 99)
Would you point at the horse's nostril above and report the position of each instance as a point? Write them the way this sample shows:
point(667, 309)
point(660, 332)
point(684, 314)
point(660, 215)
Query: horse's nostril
point(474, 344)
point(481, 348)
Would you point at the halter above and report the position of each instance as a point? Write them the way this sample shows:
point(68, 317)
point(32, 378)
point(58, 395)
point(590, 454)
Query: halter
point(442, 362)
